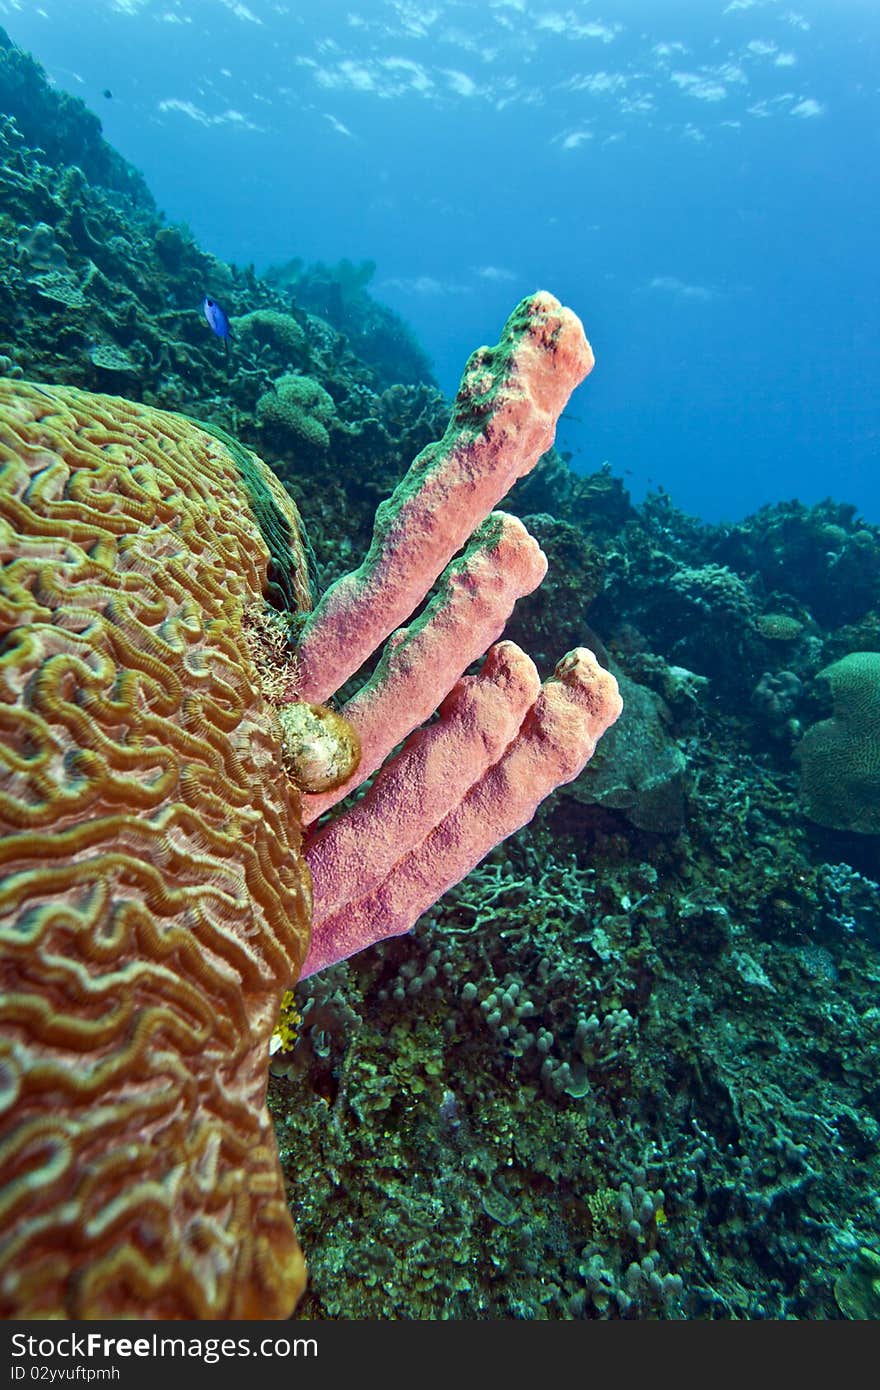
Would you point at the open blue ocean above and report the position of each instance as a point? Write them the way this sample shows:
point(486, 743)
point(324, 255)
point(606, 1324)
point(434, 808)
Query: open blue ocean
point(700, 181)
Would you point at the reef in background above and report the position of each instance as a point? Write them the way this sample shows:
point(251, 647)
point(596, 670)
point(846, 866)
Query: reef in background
point(629, 1067)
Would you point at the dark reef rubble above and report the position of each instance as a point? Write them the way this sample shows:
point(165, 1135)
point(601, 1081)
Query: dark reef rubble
point(629, 1067)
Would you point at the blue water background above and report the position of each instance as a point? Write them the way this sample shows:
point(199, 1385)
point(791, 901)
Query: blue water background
point(699, 181)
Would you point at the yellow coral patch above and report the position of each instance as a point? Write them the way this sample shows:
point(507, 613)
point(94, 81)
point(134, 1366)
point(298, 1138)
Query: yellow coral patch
point(286, 1030)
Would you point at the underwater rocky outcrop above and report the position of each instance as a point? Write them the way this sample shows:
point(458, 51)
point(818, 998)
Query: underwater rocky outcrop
point(628, 1067)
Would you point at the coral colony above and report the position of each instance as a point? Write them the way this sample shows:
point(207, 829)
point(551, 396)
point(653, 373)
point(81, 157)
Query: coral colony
point(154, 883)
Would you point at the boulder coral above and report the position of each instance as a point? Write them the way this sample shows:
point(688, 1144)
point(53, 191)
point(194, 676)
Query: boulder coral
point(840, 757)
point(165, 736)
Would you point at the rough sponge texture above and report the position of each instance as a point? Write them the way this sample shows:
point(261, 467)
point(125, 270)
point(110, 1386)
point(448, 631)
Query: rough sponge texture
point(153, 899)
point(840, 756)
point(430, 825)
point(504, 418)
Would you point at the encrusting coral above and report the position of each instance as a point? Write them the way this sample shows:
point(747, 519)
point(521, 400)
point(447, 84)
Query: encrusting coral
point(156, 896)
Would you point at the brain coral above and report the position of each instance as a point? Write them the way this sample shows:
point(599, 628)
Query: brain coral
point(840, 756)
point(153, 903)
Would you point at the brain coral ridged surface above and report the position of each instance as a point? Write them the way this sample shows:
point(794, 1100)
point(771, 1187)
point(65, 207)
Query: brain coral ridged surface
point(153, 900)
point(840, 756)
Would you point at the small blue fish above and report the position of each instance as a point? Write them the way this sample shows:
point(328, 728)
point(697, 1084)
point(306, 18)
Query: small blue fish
point(218, 320)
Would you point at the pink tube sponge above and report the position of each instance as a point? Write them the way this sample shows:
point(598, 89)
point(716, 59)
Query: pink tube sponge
point(501, 742)
point(475, 598)
point(463, 784)
point(503, 420)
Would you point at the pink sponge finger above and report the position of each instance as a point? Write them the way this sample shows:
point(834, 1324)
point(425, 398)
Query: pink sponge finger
point(421, 663)
point(555, 741)
point(503, 420)
point(421, 785)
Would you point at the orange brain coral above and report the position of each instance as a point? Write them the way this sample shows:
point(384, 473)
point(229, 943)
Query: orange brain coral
point(153, 898)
